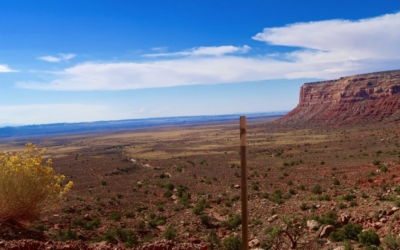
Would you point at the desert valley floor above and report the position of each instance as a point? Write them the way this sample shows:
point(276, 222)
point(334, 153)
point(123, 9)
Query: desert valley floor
point(182, 183)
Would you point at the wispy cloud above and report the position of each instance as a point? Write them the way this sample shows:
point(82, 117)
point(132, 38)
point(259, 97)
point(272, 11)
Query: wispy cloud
point(61, 57)
point(5, 69)
point(159, 49)
point(328, 49)
point(204, 51)
point(160, 110)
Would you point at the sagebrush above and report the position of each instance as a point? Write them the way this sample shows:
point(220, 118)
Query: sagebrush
point(27, 186)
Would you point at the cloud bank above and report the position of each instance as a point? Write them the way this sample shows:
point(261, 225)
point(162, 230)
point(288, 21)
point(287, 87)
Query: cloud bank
point(323, 49)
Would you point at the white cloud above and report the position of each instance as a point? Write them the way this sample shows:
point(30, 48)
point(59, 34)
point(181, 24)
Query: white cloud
point(59, 58)
point(5, 69)
point(333, 40)
point(205, 51)
point(328, 49)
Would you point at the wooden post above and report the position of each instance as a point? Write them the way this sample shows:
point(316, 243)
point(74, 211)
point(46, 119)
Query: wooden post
point(243, 184)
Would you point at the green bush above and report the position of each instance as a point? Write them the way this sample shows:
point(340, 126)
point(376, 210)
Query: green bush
point(140, 225)
point(255, 186)
point(205, 219)
point(64, 235)
point(169, 186)
point(329, 218)
point(342, 205)
point(303, 206)
point(119, 234)
point(383, 168)
point(316, 189)
point(276, 197)
point(336, 182)
point(115, 216)
point(200, 206)
point(213, 241)
point(168, 193)
point(391, 242)
point(350, 231)
point(347, 232)
point(369, 237)
point(232, 242)
point(185, 200)
point(233, 221)
point(335, 237)
point(126, 236)
point(170, 232)
point(376, 162)
point(347, 245)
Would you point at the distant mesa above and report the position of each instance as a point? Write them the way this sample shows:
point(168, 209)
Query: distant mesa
point(352, 100)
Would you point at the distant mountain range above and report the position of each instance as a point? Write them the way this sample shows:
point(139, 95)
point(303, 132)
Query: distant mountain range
point(88, 127)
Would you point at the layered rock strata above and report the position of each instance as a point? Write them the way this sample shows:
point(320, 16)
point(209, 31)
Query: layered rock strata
point(366, 98)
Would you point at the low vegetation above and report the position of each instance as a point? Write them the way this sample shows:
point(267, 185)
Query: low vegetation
point(27, 186)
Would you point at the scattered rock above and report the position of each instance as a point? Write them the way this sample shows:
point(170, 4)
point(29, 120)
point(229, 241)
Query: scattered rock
point(272, 218)
point(339, 248)
point(313, 224)
point(325, 230)
point(254, 243)
point(344, 218)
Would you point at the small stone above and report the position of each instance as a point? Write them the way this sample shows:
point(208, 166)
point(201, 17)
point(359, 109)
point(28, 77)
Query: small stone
point(339, 248)
point(344, 218)
point(254, 243)
point(272, 218)
point(313, 224)
point(383, 220)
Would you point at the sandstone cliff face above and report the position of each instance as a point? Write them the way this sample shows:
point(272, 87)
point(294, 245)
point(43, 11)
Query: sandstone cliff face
point(359, 99)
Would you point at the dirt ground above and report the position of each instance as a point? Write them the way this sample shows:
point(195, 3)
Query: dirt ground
point(181, 183)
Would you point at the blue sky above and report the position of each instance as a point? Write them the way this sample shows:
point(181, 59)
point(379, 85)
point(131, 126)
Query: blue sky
point(72, 61)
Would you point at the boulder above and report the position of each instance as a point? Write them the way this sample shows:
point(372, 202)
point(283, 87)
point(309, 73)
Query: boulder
point(325, 230)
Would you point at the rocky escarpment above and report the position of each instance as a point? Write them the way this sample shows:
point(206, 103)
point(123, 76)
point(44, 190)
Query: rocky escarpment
point(359, 99)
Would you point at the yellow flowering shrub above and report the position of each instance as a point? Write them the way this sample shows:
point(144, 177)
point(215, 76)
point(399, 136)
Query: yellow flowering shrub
point(27, 186)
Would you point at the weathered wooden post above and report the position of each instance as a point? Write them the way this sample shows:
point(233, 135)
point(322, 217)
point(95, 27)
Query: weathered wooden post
point(243, 184)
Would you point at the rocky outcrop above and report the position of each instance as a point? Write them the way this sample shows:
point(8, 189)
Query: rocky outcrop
point(365, 98)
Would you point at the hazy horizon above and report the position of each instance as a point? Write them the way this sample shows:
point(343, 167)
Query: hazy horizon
point(250, 114)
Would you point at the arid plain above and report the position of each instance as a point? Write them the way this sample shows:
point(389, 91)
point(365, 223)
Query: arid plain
point(182, 183)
